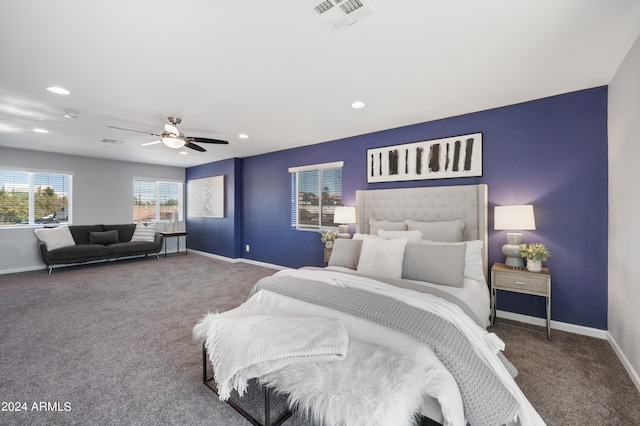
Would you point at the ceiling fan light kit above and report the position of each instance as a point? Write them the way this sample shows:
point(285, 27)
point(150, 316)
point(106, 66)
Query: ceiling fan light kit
point(171, 141)
point(172, 137)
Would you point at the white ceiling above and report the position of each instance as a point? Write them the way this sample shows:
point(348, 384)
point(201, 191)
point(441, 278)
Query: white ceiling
point(270, 69)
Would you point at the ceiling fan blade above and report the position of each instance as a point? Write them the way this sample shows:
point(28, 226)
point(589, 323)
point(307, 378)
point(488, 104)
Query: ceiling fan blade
point(207, 140)
point(194, 146)
point(137, 131)
point(151, 143)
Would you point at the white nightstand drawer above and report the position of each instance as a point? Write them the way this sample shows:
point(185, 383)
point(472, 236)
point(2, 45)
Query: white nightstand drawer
point(521, 282)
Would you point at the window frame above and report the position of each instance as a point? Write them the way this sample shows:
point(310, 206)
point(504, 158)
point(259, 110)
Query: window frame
point(157, 182)
point(32, 189)
point(293, 174)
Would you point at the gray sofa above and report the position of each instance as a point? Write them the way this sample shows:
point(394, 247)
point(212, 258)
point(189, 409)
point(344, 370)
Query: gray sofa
point(95, 242)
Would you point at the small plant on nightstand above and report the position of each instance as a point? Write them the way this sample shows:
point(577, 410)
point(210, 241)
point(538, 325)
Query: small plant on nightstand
point(535, 253)
point(327, 236)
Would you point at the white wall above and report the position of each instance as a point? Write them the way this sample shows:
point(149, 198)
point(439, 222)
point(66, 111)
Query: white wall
point(624, 208)
point(102, 193)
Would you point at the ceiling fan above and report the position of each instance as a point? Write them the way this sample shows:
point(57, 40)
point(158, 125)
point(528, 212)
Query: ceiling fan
point(172, 137)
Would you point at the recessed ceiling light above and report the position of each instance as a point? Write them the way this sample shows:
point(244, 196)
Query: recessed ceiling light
point(40, 130)
point(243, 136)
point(184, 153)
point(357, 105)
point(58, 90)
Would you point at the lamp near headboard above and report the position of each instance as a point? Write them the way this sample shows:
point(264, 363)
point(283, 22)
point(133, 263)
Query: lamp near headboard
point(514, 218)
point(343, 216)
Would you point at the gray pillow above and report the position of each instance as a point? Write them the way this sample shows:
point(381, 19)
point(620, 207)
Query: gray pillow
point(449, 231)
point(387, 225)
point(345, 253)
point(106, 237)
point(437, 264)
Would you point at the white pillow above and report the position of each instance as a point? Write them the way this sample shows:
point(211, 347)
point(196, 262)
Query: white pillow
point(472, 259)
point(144, 232)
point(382, 258)
point(414, 237)
point(55, 238)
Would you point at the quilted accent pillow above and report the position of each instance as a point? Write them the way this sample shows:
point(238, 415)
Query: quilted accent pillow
point(144, 232)
point(381, 257)
point(444, 230)
point(55, 238)
point(438, 264)
point(414, 237)
point(106, 237)
point(472, 258)
point(376, 225)
point(345, 253)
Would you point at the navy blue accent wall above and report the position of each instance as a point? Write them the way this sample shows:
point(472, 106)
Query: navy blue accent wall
point(221, 236)
point(550, 152)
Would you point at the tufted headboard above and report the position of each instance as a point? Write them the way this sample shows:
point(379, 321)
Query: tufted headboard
point(466, 202)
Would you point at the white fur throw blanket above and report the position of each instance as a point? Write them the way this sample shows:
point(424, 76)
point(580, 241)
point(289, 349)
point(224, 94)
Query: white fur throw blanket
point(372, 387)
point(245, 348)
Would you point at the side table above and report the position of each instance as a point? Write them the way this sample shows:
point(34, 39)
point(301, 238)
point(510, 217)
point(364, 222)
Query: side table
point(177, 235)
point(521, 281)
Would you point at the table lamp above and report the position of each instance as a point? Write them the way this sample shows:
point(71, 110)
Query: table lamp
point(344, 215)
point(514, 218)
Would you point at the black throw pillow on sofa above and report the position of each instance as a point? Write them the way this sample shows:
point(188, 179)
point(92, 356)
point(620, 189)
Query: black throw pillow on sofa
point(106, 237)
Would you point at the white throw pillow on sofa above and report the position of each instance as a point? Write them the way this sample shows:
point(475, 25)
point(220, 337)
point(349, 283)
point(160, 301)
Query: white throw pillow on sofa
point(144, 232)
point(55, 238)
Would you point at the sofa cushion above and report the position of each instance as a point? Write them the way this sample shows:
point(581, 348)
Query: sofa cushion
point(80, 253)
point(125, 231)
point(104, 237)
point(81, 232)
point(133, 247)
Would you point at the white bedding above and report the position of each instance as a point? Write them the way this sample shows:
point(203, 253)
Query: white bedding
point(438, 384)
point(474, 293)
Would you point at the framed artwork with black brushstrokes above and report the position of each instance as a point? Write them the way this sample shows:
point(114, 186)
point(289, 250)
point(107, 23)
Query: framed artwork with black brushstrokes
point(451, 157)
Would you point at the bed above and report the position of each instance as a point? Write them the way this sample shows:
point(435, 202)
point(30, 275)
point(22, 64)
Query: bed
point(392, 330)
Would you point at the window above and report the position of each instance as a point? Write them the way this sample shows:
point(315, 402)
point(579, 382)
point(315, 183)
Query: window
point(33, 198)
point(156, 200)
point(315, 192)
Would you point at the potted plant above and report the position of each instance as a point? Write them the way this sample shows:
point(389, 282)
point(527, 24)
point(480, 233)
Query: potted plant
point(327, 236)
point(535, 253)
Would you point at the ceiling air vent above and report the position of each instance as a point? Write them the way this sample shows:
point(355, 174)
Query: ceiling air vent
point(339, 14)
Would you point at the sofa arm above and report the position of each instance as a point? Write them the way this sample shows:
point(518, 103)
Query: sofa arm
point(44, 253)
point(159, 240)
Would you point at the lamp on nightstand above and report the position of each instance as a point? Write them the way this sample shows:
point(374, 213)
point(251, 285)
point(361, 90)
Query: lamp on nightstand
point(344, 215)
point(514, 218)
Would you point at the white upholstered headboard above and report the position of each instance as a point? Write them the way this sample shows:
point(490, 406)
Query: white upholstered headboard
point(466, 202)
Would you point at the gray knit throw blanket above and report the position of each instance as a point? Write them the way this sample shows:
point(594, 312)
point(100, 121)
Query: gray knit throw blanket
point(487, 402)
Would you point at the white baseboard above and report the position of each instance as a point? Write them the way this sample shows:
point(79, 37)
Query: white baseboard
point(557, 325)
point(237, 260)
point(24, 269)
point(578, 329)
point(625, 362)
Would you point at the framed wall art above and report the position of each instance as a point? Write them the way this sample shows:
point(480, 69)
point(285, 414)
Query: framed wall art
point(205, 197)
point(451, 157)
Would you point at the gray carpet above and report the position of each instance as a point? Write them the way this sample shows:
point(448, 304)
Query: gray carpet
point(110, 344)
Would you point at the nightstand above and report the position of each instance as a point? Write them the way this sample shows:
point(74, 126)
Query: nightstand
point(521, 281)
point(327, 255)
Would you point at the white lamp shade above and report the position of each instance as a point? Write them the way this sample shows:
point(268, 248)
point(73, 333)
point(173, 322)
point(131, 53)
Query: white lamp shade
point(514, 218)
point(343, 215)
